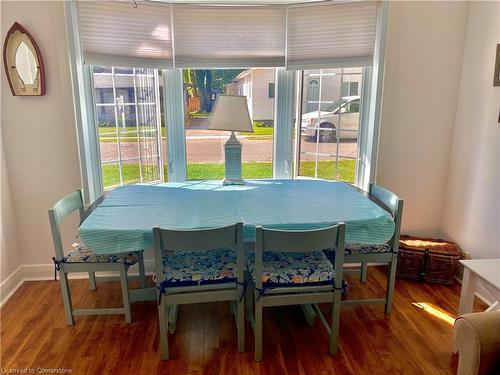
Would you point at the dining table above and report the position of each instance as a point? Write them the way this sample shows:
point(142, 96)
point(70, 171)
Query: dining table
point(123, 219)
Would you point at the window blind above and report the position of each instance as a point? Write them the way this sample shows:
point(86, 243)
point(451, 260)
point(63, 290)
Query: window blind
point(114, 33)
point(229, 36)
point(331, 35)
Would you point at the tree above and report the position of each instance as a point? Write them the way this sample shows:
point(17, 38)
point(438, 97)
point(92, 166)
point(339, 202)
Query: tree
point(189, 82)
point(221, 77)
point(201, 83)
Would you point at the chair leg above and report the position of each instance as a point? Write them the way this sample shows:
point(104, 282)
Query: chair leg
point(92, 280)
point(335, 322)
point(249, 296)
point(142, 272)
point(240, 323)
point(172, 316)
point(391, 280)
point(163, 323)
point(66, 295)
point(258, 330)
point(125, 294)
point(364, 272)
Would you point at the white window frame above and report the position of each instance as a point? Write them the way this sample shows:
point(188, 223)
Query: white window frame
point(370, 108)
point(140, 132)
point(298, 116)
point(286, 84)
point(173, 99)
point(349, 85)
point(88, 139)
point(284, 104)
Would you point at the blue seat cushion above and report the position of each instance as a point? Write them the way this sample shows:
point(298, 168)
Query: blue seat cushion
point(184, 268)
point(367, 249)
point(292, 269)
point(356, 249)
point(81, 254)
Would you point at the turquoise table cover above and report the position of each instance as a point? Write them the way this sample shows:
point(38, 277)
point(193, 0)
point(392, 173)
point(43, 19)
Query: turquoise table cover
point(123, 221)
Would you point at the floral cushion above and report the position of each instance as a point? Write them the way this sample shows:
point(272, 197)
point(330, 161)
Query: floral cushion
point(367, 249)
point(183, 268)
point(80, 254)
point(292, 269)
point(356, 249)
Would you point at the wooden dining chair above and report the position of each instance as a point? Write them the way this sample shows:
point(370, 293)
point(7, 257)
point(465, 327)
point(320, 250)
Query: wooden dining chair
point(290, 268)
point(196, 266)
point(81, 259)
point(385, 253)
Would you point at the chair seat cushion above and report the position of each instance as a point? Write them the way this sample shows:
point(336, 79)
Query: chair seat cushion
point(292, 269)
point(184, 268)
point(80, 254)
point(356, 249)
point(367, 249)
point(359, 249)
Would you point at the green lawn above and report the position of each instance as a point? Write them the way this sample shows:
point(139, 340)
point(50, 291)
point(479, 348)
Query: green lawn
point(199, 114)
point(258, 131)
point(111, 174)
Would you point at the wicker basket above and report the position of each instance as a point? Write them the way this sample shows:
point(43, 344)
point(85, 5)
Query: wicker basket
point(427, 259)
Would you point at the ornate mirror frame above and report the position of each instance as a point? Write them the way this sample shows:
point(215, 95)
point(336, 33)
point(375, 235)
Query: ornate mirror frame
point(17, 35)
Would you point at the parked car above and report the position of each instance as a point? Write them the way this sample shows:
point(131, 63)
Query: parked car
point(325, 124)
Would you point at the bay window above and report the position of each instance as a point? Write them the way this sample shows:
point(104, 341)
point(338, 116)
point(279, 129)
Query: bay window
point(311, 74)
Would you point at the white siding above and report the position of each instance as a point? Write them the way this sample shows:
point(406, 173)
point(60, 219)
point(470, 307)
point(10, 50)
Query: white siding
point(263, 106)
point(330, 86)
point(246, 89)
point(242, 86)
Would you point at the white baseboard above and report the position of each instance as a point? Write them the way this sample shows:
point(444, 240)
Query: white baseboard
point(9, 286)
point(39, 272)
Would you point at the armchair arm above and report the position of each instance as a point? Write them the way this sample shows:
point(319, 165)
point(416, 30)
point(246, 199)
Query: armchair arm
point(477, 336)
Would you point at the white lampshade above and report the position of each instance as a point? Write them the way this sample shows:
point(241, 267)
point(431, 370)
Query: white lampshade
point(231, 113)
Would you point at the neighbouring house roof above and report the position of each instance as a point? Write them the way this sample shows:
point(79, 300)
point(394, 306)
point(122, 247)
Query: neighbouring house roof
point(243, 74)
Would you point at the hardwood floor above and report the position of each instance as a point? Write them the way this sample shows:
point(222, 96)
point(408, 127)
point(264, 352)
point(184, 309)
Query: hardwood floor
point(411, 340)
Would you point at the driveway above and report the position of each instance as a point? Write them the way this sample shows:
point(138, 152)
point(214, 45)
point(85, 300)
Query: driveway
point(206, 146)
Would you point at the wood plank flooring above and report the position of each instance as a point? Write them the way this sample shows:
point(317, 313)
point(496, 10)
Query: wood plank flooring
point(411, 340)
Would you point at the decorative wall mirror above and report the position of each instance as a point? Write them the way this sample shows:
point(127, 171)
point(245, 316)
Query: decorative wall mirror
point(23, 63)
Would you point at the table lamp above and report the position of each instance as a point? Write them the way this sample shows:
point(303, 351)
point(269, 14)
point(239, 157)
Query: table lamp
point(231, 113)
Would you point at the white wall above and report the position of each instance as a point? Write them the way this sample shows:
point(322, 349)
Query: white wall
point(472, 208)
point(423, 64)
point(9, 250)
point(39, 136)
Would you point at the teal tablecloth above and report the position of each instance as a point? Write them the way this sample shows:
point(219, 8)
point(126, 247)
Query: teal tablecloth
point(125, 218)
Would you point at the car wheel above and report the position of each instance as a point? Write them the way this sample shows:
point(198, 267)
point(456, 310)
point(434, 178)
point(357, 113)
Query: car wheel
point(325, 134)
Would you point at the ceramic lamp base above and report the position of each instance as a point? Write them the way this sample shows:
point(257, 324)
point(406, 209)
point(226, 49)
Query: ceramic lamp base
point(232, 151)
point(233, 181)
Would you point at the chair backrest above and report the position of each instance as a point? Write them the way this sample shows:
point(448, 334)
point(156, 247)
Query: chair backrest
point(198, 240)
point(301, 241)
point(395, 205)
point(64, 207)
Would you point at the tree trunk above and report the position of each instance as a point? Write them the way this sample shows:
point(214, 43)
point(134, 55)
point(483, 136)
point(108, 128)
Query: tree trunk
point(208, 91)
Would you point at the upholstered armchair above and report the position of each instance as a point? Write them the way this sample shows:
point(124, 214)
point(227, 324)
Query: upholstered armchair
point(477, 337)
